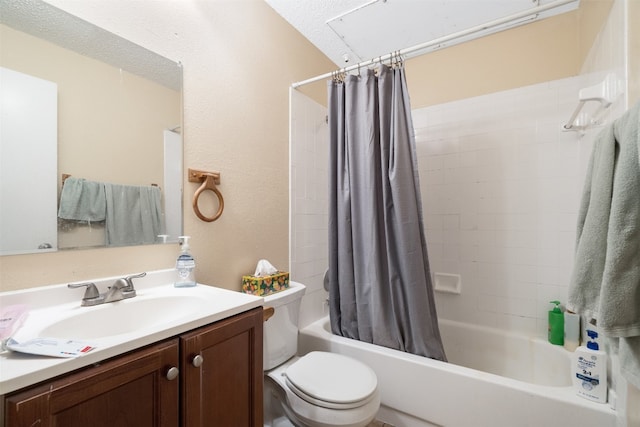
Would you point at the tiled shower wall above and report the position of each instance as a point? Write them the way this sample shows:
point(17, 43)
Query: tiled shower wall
point(501, 188)
point(501, 185)
point(309, 211)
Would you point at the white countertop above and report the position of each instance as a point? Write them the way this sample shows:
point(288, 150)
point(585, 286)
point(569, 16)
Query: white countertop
point(18, 370)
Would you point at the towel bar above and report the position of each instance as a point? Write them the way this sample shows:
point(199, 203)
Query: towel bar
point(209, 181)
point(67, 175)
point(604, 93)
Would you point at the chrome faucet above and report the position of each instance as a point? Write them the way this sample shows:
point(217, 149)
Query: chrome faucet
point(128, 291)
point(121, 289)
point(91, 295)
point(114, 293)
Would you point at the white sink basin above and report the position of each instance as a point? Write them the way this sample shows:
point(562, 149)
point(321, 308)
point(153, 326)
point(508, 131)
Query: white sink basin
point(152, 310)
point(121, 317)
point(159, 311)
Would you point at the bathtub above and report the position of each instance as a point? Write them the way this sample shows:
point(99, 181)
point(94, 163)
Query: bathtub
point(494, 379)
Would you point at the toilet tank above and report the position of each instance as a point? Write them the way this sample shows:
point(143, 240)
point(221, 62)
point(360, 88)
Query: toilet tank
point(281, 330)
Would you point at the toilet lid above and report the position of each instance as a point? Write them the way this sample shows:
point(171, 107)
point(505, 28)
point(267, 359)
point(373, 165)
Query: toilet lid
point(332, 378)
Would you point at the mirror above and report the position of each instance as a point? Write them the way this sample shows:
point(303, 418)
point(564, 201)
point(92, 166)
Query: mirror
point(82, 102)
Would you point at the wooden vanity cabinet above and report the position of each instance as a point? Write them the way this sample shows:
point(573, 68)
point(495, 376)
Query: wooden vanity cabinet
point(130, 390)
point(221, 373)
point(222, 386)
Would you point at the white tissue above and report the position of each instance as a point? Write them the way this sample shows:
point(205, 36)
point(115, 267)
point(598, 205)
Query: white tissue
point(264, 268)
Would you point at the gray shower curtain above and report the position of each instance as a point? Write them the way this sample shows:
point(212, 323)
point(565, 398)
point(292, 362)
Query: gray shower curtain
point(380, 287)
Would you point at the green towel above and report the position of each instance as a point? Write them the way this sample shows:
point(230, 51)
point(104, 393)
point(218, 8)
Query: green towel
point(134, 215)
point(605, 283)
point(82, 200)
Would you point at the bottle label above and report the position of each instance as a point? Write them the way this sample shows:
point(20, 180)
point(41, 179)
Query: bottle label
point(586, 372)
point(592, 381)
point(185, 264)
point(185, 268)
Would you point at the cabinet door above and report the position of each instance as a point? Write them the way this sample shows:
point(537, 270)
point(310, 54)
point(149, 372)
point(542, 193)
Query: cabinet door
point(127, 391)
point(224, 385)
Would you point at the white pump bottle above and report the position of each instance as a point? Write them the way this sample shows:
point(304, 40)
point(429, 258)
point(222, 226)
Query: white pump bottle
point(590, 370)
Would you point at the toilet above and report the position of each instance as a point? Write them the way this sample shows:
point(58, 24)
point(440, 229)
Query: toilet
point(319, 389)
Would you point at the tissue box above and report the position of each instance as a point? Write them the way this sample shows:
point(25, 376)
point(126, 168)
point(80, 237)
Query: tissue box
point(266, 285)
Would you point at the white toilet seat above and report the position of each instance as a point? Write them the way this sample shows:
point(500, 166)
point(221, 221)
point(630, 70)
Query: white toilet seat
point(317, 405)
point(331, 380)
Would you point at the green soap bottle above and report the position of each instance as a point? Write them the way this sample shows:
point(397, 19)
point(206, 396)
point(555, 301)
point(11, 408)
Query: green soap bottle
point(556, 324)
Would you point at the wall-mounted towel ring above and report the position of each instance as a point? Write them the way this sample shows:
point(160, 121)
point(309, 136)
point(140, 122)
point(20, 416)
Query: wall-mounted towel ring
point(209, 181)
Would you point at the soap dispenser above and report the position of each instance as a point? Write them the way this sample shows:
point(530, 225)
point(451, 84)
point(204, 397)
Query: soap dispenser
point(556, 324)
point(185, 265)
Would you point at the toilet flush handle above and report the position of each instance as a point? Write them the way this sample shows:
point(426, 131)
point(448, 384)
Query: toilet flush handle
point(267, 313)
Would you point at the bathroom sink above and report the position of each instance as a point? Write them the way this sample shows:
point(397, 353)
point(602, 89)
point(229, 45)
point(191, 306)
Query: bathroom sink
point(121, 317)
point(159, 312)
point(154, 313)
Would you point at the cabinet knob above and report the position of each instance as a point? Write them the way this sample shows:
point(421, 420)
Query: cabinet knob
point(197, 361)
point(172, 373)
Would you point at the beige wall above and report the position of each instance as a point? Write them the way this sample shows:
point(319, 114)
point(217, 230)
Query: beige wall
point(592, 16)
point(239, 59)
point(526, 55)
point(549, 49)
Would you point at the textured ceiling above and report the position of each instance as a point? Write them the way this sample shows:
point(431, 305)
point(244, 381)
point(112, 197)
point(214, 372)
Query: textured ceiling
point(359, 30)
point(44, 21)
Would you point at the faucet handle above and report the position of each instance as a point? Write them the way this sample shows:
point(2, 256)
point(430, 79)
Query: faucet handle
point(129, 279)
point(129, 291)
point(91, 292)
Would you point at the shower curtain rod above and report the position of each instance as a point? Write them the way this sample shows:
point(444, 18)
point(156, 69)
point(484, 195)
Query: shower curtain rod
point(434, 42)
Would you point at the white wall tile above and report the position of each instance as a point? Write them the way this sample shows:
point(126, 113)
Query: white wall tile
point(517, 210)
point(309, 203)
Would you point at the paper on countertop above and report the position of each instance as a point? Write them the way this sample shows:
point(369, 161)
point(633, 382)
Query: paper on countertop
point(264, 268)
point(53, 347)
point(11, 319)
